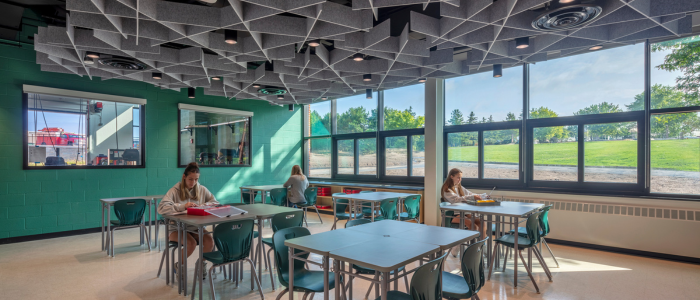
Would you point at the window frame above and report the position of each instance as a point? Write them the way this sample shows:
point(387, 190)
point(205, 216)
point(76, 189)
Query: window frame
point(25, 142)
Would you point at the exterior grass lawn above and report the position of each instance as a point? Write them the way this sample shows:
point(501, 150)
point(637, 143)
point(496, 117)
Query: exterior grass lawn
point(681, 155)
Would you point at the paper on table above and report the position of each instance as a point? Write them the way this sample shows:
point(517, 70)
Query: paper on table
point(226, 211)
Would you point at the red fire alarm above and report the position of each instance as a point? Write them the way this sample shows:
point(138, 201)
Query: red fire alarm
point(98, 107)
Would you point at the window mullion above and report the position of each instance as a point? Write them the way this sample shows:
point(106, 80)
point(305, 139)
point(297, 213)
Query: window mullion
point(581, 152)
point(409, 155)
point(480, 170)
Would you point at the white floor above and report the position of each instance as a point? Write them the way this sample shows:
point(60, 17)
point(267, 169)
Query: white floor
point(75, 268)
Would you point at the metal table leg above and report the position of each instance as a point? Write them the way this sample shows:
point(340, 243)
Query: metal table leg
point(384, 284)
point(179, 257)
point(326, 284)
point(200, 231)
point(461, 226)
point(167, 256)
point(103, 226)
point(109, 230)
point(400, 202)
point(291, 275)
point(488, 242)
point(336, 269)
point(372, 203)
point(515, 255)
point(183, 265)
point(259, 251)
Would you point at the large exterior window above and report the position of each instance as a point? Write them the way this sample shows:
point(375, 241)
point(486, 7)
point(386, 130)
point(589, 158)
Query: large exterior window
point(346, 157)
point(68, 132)
point(404, 108)
point(417, 155)
point(674, 73)
point(675, 153)
point(357, 114)
point(463, 153)
point(319, 157)
point(214, 137)
point(396, 156)
point(611, 152)
point(318, 119)
point(555, 153)
point(368, 156)
point(501, 154)
point(603, 81)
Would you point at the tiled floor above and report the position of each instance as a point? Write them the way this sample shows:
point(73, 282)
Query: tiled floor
point(75, 268)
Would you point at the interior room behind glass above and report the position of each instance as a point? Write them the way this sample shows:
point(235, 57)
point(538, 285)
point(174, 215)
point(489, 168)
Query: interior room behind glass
point(214, 139)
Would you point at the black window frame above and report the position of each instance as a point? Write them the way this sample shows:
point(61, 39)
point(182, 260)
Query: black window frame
point(25, 142)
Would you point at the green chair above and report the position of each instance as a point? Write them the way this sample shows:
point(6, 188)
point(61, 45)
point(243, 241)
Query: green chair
point(129, 215)
point(340, 206)
point(279, 196)
point(310, 194)
point(366, 211)
point(529, 241)
point(281, 221)
point(544, 230)
point(426, 283)
point(367, 271)
point(233, 241)
point(387, 207)
point(449, 215)
point(305, 280)
point(411, 205)
point(458, 287)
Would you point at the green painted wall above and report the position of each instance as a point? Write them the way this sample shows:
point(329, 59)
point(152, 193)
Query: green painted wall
point(44, 201)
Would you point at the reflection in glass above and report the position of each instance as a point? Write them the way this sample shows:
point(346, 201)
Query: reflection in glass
point(463, 153)
point(346, 157)
point(611, 152)
point(319, 157)
point(368, 156)
point(396, 156)
point(214, 139)
point(501, 154)
point(675, 153)
point(319, 119)
point(555, 153)
point(404, 107)
point(673, 73)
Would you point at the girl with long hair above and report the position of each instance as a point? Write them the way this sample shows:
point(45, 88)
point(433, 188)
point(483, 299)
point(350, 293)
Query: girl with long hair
point(297, 184)
point(453, 192)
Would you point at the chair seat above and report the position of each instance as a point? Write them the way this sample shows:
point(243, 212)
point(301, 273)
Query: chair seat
point(404, 215)
point(255, 234)
point(522, 231)
point(396, 295)
point(214, 257)
point(267, 241)
point(117, 223)
point(305, 204)
point(309, 281)
point(346, 216)
point(508, 240)
point(454, 286)
point(379, 218)
point(368, 271)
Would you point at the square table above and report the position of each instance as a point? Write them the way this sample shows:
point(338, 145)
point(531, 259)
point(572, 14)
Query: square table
point(514, 210)
point(264, 189)
point(386, 227)
point(106, 205)
point(373, 198)
point(444, 237)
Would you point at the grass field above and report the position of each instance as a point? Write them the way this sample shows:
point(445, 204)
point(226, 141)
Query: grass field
point(682, 155)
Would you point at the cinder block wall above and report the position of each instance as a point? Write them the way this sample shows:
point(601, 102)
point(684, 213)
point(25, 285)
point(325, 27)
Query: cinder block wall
point(44, 201)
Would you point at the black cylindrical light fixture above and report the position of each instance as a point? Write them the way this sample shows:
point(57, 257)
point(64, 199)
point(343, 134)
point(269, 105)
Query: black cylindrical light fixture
point(367, 77)
point(522, 43)
point(280, 97)
point(369, 93)
point(422, 79)
point(92, 54)
point(230, 36)
point(315, 43)
point(358, 57)
point(497, 70)
point(157, 75)
point(291, 107)
point(190, 93)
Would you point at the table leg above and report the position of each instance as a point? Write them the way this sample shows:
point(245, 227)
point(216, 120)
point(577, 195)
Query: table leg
point(400, 208)
point(326, 284)
point(372, 203)
point(515, 255)
point(109, 230)
point(179, 257)
point(336, 269)
point(384, 284)
point(183, 265)
point(488, 242)
point(396, 279)
point(260, 251)
point(103, 226)
point(150, 220)
point(167, 257)
point(200, 232)
point(335, 216)
point(291, 275)
point(461, 226)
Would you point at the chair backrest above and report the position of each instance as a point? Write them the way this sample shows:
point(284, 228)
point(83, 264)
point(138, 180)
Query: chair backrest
point(282, 251)
point(278, 196)
point(544, 220)
point(356, 222)
point(426, 283)
point(286, 220)
point(532, 226)
point(246, 195)
point(130, 212)
point(310, 194)
point(412, 206)
point(340, 204)
point(388, 208)
point(473, 266)
point(234, 239)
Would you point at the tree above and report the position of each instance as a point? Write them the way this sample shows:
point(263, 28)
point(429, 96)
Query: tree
point(684, 57)
point(513, 132)
point(546, 134)
point(320, 125)
point(456, 118)
point(483, 120)
point(472, 118)
point(601, 108)
point(406, 119)
point(355, 119)
point(663, 96)
point(600, 131)
point(510, 117)
point(668, 125)
point(490, 119)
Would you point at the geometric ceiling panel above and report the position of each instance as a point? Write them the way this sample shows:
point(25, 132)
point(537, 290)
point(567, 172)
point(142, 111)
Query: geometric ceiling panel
point(317, 49)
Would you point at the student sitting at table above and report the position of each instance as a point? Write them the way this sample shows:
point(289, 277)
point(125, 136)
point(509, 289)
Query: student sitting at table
point(297, 184)
point(454, 192)
point(185, 194)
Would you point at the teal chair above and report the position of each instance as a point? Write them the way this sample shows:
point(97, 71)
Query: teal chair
point(449, 215)
point(340, 206)
point(305, 280)
point(367, 271)
point(529, 241)
point(411, 206)
point(279, 196)
point(387, 207)
point(544, 231)
point(426, 283)
point(129, 215)
point(311, 195)
point(233, 241)
point(245, 196)
point(281, 221)
point(472, 265)
point(366, 211)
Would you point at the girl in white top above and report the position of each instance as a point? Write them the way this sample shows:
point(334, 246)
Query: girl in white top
point(185, 194)
point(454, 192)
point(297, 184)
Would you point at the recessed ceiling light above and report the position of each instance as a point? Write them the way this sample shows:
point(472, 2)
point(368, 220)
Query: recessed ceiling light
point(216, 78)
point(190, 93)
point(291, 106)
point(230, 36)
point(358, 57)
point(314, 43)
point(255, 85)
point(566, 1)
point(422, 79)
point(280, 97)
point(522, 43)
point(369, 93)
point(88, 61)
point(367, 77)
point(324, 98)
point(92, 54)
point(157, 75)
point(596, 47)
point(497, 70)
